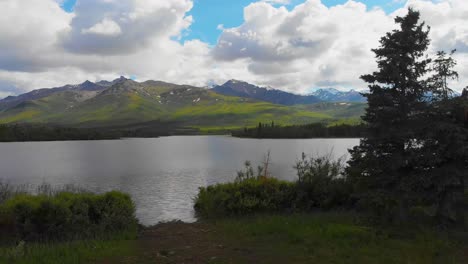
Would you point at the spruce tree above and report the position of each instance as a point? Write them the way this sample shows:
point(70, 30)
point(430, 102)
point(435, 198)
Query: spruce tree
point(443, 68)
point(444, 146)
point(465, 93)
point(382, 166)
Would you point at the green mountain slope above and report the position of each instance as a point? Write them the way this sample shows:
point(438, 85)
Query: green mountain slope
point(127, 102)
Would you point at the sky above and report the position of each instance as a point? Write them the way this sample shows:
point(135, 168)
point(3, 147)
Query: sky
point(292, 45)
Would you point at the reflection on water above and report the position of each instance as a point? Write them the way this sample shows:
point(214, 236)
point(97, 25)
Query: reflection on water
point(162, 174)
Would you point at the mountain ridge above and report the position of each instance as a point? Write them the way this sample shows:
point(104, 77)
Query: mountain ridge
point(125, 101)
point(334, 95)
point(247, 90)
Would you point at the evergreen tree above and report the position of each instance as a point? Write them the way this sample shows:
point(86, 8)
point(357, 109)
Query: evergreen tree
point(443, 70)
point(382, 165)
point(444, 151)
point(465, 92)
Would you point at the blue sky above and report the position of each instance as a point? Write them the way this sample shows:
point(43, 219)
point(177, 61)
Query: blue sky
point(208, 14)
point(68, 5)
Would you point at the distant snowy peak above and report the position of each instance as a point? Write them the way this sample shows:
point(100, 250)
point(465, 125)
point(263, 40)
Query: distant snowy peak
point(328, 90)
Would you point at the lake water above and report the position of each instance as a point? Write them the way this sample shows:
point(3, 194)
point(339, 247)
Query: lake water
point(162, 174)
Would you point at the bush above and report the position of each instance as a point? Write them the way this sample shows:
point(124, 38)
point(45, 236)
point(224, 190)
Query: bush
point(245, 197)
point(320, 186)
point(321, 183)
point(66, 216)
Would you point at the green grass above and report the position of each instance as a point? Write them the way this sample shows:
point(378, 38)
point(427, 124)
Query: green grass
point(333, 237)
point(337, 110)
point(89, 251)
point(216, 130)
point(336, 238)
point(349, 121)
point(223, 116)
point(24, 116)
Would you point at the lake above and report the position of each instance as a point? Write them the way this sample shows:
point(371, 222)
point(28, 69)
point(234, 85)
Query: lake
point(162, 174)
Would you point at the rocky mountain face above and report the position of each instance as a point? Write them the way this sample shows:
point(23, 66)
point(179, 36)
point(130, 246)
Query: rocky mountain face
point(80, 89)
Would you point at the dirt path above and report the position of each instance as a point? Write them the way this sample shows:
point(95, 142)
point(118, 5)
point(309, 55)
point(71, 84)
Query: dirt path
point(185, 243)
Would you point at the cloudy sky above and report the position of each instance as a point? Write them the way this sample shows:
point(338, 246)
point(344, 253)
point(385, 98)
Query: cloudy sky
point(293, 45)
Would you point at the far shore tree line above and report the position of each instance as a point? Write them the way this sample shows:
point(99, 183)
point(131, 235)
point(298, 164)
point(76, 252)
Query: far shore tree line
point(314, 130)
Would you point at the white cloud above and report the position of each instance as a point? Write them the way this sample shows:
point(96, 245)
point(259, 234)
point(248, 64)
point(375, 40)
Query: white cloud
point(279, 2)
point(317, 46)
point(134, 24)
point(106, 27)
point(102, 39)
point(309, 46)
point(29, 31)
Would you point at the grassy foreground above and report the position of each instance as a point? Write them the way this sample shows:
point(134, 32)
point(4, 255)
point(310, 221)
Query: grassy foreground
point(302, 238)
point(338, 238)
point(89, 251)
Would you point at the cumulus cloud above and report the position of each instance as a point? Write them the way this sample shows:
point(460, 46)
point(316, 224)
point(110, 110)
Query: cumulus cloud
point(102, 39)
point(29, 30)
point(310, 46)
point(124, 26)
point(318, 46)
point(105, 27)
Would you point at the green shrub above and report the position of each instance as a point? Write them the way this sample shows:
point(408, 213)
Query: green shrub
point(321, 183)
point(245, 197)
point(320, 186)
point(66, 216)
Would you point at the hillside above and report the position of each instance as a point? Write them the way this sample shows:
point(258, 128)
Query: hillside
point(125, 102)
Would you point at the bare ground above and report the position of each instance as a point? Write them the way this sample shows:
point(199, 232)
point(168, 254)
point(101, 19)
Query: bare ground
point(180, 243)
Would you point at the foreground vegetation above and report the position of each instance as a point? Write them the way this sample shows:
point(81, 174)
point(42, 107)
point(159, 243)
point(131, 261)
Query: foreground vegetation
point(406, 180)
point(319, 219)
point(337, 237)
point(72, 252)
point(58, 225)
point(333, 237)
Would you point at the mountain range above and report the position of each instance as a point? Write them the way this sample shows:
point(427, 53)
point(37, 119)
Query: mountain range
point(333, 95)
point(126, 102)
point(246, 90)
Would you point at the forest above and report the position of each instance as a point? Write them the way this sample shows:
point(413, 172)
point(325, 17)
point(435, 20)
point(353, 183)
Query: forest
point(47, 132)
point(315, 130)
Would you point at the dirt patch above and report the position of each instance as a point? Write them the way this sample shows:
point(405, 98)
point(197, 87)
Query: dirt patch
point(179, 243)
